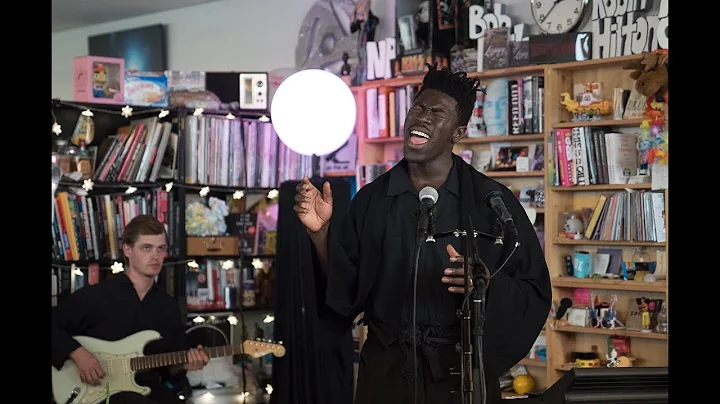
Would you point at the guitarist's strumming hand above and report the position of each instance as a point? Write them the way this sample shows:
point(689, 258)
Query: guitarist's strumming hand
point(88, 366)
point(196, 359)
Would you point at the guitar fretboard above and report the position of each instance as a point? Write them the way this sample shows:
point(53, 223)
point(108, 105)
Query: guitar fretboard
point(179, 357)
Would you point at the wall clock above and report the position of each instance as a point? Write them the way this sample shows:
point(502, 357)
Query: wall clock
point(558, 16)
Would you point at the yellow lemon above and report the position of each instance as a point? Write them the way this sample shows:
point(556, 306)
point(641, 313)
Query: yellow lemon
point(523, 384)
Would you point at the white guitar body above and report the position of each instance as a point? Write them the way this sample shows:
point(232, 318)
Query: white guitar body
point(114, 357)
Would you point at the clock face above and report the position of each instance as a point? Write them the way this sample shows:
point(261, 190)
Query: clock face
point(558, 16)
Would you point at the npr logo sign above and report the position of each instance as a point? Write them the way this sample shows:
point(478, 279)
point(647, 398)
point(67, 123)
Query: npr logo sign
point(379, 56)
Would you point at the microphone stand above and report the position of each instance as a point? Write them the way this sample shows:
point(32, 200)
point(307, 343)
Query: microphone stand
point(471, 372)
point(474, 270)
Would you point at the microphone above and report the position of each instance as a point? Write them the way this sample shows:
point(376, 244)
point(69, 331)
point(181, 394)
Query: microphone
point(494, 200)
point(428, 199)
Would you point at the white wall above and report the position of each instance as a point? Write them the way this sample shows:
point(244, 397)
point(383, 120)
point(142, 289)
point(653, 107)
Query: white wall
point(225, 35)
point(217, 36)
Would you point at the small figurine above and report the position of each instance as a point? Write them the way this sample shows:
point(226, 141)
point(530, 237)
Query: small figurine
point(610, 316)
point(612, 359)
point(100, 82)
point(364, 22)
point(586, 110)
point(345, 69)
point(573, 227)
point(644, 308)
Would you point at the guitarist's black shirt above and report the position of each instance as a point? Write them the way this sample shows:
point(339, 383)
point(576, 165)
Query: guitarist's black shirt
point(111, 310)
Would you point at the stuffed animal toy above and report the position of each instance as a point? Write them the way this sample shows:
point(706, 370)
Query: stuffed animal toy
point(651, 75)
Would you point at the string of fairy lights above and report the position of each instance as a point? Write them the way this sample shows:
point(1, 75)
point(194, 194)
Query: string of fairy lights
point(203, 190)
point(118, 267)
point(127, 111)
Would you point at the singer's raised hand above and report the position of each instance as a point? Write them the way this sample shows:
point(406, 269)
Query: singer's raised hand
point(455, 277)
point(314, 208)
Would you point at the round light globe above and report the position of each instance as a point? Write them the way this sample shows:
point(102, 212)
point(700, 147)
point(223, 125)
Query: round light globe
point(313, 112)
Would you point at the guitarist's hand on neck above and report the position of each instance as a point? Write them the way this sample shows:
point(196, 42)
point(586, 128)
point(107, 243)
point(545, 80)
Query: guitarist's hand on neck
point(88, 366)
point(196, 360)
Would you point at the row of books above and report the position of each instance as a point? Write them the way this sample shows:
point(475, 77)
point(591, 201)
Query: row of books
point(216, 286)
point(142, 151)
point(239, 153)
point(628, 215)
point(592, 155)
point(387, 108)
point(87, 228)
point(508, 107)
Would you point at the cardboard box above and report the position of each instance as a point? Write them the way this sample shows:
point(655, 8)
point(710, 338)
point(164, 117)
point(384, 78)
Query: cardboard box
point(146, 89)
point(216, 245)
point(99, 80)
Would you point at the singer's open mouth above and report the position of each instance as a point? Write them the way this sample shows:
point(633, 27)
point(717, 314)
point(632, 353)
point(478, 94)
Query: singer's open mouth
point(417, 138)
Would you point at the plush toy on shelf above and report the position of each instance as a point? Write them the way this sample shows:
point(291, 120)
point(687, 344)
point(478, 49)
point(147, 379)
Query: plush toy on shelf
point(651, 80)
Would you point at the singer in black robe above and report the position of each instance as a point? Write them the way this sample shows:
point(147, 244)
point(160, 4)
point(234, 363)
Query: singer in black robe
point(365, 265)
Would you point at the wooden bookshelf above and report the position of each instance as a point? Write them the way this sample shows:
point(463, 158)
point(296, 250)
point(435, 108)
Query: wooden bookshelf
point(648, 349)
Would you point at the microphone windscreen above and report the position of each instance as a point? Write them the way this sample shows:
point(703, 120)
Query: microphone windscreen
point(491, 195)
point(429, 193)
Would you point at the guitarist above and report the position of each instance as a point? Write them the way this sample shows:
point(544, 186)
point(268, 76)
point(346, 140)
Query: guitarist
point(123, 305)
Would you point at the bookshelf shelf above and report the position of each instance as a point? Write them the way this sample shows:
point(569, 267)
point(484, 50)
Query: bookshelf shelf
point(609, 284)
point(509, 72)
point(594, 64)
point(509, 138)
point(533, 362)
point(472, 140)
point(565, 241)
point(490, 74)
point(604, 331)
point(340, 174)
point(511, 174)
point(604, 122)
point(394, 139)
point(600, 187)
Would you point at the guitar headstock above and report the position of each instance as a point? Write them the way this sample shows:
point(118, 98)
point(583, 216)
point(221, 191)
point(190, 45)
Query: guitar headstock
point(260, 348)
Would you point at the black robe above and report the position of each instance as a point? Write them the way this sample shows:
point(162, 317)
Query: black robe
point(369, 272)
point(315, 369)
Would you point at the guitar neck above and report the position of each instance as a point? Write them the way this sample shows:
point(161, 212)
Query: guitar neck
point(178, 358)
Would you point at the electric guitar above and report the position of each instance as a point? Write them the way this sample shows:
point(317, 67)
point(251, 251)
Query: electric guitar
point(122, 359)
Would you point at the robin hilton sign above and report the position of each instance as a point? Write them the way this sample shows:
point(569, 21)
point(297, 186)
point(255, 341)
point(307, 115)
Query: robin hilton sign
point(619, 28)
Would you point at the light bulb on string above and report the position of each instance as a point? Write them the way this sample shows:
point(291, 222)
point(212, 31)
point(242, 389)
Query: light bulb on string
point(127, 111)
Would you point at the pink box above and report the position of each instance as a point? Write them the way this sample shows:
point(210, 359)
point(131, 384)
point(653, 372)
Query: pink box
point(99, 79)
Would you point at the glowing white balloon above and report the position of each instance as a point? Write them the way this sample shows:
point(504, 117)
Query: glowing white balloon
point(313, 112)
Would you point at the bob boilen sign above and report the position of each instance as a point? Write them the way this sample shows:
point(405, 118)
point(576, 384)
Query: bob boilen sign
point(620, 27)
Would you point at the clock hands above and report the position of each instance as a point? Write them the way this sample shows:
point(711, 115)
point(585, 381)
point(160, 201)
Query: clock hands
point(551, 9)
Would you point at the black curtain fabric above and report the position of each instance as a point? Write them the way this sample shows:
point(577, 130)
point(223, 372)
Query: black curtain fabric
point(315, 369)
